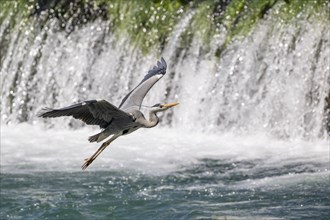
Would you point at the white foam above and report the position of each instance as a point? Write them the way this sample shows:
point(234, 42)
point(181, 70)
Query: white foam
point(153, 151)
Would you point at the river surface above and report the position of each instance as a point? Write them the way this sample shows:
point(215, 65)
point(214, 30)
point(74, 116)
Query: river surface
point(161, 173)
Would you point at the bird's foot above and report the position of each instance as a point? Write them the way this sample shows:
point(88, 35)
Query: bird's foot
point(88, 161)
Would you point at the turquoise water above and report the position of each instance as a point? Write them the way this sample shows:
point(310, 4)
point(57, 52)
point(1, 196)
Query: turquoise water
point(174, 176)
point(211, 190)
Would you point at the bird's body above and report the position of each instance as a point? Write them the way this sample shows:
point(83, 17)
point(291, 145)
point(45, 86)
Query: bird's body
point(114, 121)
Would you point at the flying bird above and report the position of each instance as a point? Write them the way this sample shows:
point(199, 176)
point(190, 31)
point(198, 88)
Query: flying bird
point(116, 121)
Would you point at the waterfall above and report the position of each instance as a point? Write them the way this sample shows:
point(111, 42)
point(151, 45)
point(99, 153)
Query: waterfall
point(274, 80)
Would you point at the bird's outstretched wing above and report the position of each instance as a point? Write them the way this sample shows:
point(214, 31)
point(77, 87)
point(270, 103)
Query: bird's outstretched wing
point(91, 112)
point(135, 97)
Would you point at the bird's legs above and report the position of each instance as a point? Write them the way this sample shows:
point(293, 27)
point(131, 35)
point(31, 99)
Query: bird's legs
point(88, 161)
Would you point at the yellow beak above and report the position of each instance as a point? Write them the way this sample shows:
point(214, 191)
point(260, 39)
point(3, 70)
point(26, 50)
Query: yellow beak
point(170, 105)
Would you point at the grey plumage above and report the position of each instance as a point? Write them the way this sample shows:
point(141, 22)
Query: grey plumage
point(134, 98)
point(116, 121)
point(92, 112)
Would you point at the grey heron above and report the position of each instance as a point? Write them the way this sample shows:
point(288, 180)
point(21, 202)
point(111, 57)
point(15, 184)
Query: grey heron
point(116, 121)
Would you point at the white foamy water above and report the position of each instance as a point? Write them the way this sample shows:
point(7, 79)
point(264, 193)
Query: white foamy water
point(275, 80)
point(27, 148)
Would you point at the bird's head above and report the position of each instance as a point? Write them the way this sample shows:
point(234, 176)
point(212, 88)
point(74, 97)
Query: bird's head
point(163, 107)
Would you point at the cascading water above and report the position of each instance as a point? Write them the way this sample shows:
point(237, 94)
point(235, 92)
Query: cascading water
point(274, 80)
point(249, 139)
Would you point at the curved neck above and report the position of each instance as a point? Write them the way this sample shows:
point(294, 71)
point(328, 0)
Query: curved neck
point(153, 120)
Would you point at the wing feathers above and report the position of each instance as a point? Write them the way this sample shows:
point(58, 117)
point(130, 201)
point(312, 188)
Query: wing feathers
point(91, 112)
point(136, 96)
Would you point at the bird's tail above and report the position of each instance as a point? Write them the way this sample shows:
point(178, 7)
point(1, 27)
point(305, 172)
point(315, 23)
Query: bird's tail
point(94, 138)
point(98, 137)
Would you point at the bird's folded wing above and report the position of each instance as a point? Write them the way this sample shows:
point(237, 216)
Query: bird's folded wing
point(136, 96)
point(91, 112)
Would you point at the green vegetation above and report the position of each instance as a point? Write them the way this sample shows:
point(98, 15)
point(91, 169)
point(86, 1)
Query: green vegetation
point(317, 8)
point(16, 11)
point(241, 16)
point(149, 23)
